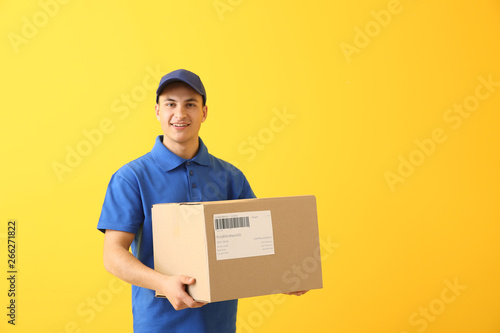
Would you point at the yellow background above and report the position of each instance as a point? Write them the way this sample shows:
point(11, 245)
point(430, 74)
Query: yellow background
point(360, 82)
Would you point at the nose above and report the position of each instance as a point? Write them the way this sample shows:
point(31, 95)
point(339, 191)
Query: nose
point(180, 112)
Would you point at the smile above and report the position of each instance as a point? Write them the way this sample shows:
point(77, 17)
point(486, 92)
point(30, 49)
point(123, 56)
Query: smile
point(180, 125)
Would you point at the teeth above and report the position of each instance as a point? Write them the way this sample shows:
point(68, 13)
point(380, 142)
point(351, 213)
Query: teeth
point(179, 125)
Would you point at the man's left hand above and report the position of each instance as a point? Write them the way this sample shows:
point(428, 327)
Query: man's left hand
point(297, 293)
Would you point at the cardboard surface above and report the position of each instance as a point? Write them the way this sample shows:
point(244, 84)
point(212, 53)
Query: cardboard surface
point(184, 239)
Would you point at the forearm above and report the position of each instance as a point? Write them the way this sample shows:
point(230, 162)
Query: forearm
point(123, 264)
point(127, 267)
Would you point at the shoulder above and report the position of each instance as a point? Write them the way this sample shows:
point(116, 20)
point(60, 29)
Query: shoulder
point(134, 170)
point(224, 166)
point(226, 173)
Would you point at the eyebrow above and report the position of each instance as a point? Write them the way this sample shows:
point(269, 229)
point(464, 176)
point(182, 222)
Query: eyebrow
point(187, 100)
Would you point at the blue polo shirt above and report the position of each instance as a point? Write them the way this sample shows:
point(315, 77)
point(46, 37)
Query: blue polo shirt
point(161, 176)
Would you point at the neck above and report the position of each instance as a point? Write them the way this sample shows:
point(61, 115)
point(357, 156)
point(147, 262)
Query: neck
point(184, 150)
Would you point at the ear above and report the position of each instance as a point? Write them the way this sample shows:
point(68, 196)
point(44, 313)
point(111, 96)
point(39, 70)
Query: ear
point(205, 113)
point(157, 111)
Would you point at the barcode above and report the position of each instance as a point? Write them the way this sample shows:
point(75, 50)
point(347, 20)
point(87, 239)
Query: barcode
point(232, 222)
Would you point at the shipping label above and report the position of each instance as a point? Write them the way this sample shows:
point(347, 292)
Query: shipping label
point(243, 234)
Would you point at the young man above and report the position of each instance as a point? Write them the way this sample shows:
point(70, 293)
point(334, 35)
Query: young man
point(178, 169)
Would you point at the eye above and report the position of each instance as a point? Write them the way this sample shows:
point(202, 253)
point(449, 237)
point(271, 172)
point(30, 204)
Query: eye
point(169, 104)
point(191, 105)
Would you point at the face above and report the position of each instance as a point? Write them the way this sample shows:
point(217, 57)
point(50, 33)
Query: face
point(181, 112)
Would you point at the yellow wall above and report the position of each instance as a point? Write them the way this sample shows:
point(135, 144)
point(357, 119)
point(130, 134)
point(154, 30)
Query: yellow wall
point(386, 110)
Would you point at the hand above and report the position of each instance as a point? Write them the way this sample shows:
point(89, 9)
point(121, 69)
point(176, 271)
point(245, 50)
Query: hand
point(175, 291)
point(297, 293)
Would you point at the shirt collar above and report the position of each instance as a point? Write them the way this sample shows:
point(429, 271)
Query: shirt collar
point(169, 161)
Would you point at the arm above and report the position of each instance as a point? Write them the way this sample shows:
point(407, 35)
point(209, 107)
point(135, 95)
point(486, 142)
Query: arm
point(123, 264)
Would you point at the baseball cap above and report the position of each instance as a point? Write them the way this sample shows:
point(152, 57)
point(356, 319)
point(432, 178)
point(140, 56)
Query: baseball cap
point(185, 76)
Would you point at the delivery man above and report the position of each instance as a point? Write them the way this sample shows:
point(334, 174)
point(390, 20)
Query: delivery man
point(179, 168)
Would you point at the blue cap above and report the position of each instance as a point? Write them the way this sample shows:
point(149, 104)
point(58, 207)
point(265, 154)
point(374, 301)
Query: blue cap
point(185, 76)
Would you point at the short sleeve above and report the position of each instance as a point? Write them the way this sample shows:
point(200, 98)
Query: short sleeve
point(122, 209)
point(246, 190)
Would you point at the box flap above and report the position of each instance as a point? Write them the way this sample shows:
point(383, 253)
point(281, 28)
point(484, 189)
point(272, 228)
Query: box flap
point(185, 253)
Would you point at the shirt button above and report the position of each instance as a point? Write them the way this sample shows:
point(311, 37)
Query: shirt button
point(188, 163)
point(191, 172)
point(194, 185)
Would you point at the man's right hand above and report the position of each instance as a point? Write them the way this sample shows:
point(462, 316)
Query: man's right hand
point(174, 290)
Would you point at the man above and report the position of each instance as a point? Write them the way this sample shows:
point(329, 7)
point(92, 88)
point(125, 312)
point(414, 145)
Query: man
point(178, 169)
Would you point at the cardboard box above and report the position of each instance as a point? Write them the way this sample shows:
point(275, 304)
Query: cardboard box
point(239, 248)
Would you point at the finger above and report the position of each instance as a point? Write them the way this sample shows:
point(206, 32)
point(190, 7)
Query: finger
point(193, 304)
point(178, 305)
point(297, 293)
point(187, 279)
point(198, 304)
point(188, 301)
point(183, 303)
